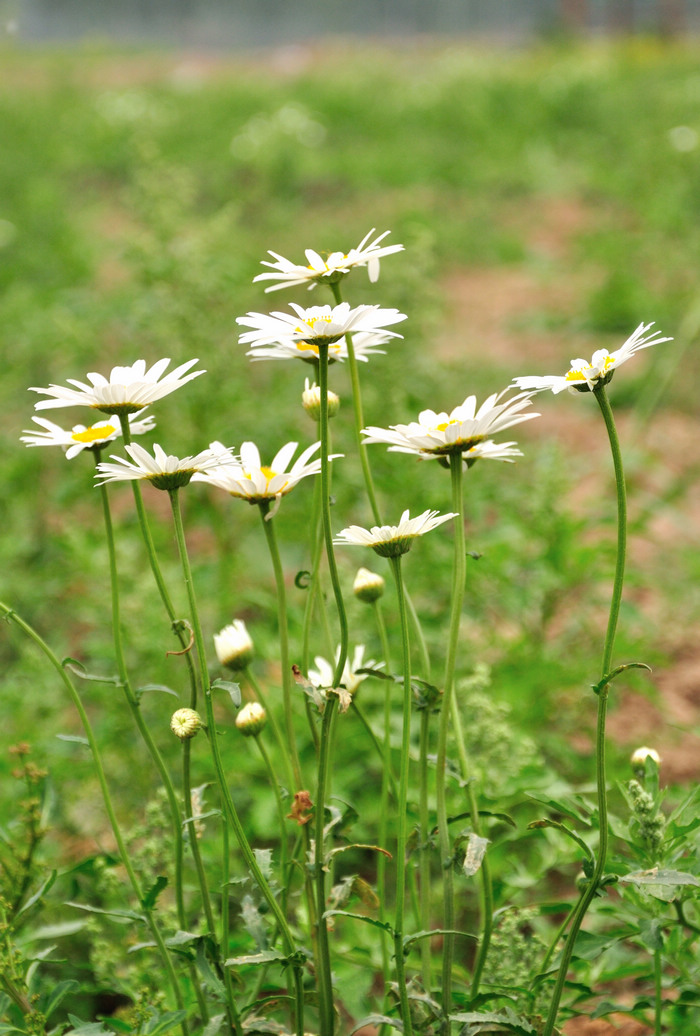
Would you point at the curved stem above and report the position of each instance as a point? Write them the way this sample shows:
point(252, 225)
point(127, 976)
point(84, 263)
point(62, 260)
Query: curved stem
point(229, 808)
point(402, 804)
point(107, 799)
point(283, 633)
point(589, 892)
point(458, 577)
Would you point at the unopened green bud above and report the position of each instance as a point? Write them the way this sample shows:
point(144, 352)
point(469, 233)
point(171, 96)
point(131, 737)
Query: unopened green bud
point(251, 719)
point(311, 401)
point(368, 586)
point(185, 723)
point(234, 646)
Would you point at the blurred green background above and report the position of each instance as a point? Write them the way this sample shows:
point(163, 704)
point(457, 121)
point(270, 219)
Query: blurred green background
point(548, 201)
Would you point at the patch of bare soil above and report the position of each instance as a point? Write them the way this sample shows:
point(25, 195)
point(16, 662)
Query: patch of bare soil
point(600, 1027)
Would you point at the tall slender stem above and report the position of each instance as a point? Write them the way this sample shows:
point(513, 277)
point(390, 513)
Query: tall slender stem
point(326, 514)
point(589, 892)
point(458, 577)
point(325, 983)
point(424, 848)
point(107, 799)
point(135, 709)
point(283, 634)
point(229, 808)
point(359, 423)
point(402, 803)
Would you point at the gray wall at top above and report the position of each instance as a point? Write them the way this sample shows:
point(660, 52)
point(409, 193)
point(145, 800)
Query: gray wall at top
point(239, 24)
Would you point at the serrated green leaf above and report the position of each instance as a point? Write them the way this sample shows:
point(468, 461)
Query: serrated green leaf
point(263, 957)
point(119, 915)
point(506, 1020)
point(151, 897)
point(384, 925)
point(207, 972)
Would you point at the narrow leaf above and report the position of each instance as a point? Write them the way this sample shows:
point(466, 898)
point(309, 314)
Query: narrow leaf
point(156, 687)
point(377, 1020)
point(660, 876)
point(78, 669)
point(75, 738)
point(384, 925)
point(58, 993)
point(149, 900)
point(233, 689)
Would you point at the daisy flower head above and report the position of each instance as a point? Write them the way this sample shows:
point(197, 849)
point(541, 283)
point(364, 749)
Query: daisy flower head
point(586, 375)
point(317, 325)
point(330, 270)
point(161, 470)
point(248, 478)
point(465, 430)
point(234, 646)
point(126, 391)
point(81, 437)
point(365, 344)
point(391, 541)
point(322, 676)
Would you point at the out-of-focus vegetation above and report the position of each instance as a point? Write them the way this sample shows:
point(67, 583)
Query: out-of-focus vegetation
point(138, 194)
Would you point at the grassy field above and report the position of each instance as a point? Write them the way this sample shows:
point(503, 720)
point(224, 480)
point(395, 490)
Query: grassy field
point(548, 202)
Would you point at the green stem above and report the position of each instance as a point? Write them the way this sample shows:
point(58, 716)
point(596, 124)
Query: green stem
point(359, 422)
point(325, 980)
point(402, 806)
point(229, 807)
point(280, 812)
point(135, 709)
point(387, 780)
point(658, 1001)
point(283, 633)
point(107, 799)
point(277, 733)
point(458, 577)
point(424, 851)
point(589, 892)
point(326, 514)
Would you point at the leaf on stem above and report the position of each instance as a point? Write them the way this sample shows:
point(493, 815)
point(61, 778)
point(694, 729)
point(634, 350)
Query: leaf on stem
point(78, 669)
point(233, 689)
point(609, 677)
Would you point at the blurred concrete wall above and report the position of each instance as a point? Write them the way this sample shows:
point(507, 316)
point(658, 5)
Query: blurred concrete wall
point(241, 24)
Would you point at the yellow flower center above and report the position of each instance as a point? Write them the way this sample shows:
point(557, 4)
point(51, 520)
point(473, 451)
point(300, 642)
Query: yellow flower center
point(573, 375)
point(443, 426)
point(93, 434)
point(334, 347)
point(268, 473)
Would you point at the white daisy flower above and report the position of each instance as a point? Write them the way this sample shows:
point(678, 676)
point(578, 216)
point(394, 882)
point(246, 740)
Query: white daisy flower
point(317, 325)
point(328, 270)
point(438, 435)
point(584, 375)
point(247, 477)
point(503, 451)
point(365, 344)
point(161, 470)
point(81, 437)
point(322, 676)
point(234, 645)
point(390, 541)
point(127, 390)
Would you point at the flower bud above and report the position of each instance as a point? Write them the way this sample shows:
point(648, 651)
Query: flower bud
point(368, 586)
point(640, 755)
point(233, 645)
point(251, 719)
point(185, 723)
point(311, 401)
